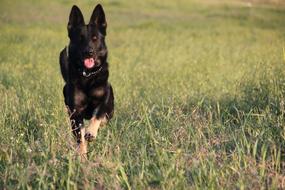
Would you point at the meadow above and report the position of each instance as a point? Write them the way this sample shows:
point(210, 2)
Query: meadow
point(199, 97)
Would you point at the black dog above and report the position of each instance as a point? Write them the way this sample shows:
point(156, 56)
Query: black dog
point(84, 68)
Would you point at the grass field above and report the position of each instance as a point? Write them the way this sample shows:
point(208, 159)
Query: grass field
point(199, 89)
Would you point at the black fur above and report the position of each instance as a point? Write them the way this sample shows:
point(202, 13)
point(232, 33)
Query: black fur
point(86, 92)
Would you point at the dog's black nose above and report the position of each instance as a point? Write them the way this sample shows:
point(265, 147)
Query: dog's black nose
point(89, 52)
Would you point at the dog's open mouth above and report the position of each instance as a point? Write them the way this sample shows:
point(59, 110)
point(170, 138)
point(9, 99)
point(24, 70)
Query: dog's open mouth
point(89, 63)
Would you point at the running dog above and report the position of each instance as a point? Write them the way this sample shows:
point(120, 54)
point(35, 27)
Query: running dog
point(84, 68)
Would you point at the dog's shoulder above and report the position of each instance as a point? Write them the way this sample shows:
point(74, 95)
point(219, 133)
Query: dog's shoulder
point(63, 61)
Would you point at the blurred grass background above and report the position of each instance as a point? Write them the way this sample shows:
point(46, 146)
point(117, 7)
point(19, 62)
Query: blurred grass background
point(199, 88)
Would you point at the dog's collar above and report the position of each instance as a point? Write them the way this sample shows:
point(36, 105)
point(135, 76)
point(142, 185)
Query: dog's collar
point(83, 72)
point(91, 73)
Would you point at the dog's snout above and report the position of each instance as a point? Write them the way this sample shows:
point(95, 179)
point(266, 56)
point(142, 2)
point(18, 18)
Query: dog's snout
point(89, 52)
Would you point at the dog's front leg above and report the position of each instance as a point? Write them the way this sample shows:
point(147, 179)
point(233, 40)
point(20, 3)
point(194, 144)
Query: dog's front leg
point(82, 144)
point(92, 130)
point(79, 133)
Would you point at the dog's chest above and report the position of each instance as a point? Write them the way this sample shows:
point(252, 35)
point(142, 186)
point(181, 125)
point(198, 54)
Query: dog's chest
point(97, 92)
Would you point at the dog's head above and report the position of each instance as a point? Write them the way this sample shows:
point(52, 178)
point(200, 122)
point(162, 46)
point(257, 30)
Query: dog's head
point(87, 42)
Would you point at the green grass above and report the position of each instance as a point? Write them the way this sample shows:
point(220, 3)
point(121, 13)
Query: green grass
point(199, 91)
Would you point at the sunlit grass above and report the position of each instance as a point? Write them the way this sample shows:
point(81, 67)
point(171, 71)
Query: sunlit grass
point(199, 92)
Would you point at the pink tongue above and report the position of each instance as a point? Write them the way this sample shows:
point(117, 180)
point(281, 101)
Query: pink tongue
point(89, 63)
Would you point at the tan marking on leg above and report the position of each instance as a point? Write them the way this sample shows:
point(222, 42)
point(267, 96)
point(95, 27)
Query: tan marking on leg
point(92, 130)
point(82, 146)
point(104, 121)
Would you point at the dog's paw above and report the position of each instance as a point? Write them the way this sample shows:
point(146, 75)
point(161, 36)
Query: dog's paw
point(89, 136)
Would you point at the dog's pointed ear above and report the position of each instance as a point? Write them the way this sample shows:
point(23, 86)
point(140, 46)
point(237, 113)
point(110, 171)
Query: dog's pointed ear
point(75, 18)
point(98, 19)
